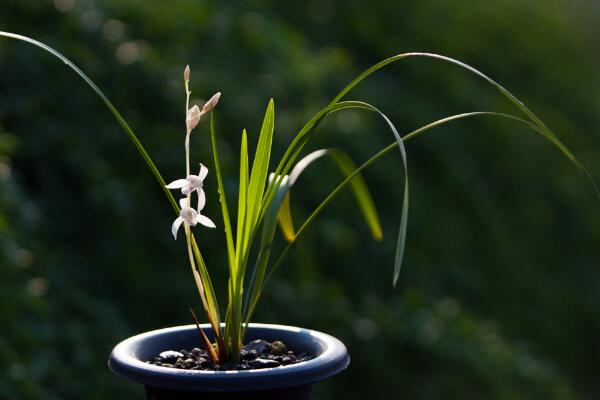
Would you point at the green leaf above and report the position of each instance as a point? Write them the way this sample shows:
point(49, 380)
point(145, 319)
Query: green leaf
point(205, 284)
point(295, 148)
point(360, 190)
point(302, 137)
point(357, 185)
point(258, 177)
point(544, 130)
point(213, 311)
point(264, 252)
point(254, 197)
point(243, 191)
point(109, 105)
point(286, 222)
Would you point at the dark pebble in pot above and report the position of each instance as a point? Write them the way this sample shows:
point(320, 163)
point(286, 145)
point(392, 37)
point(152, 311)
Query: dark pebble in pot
point(261, 347)
point(196, 351)
point(248, 354)
point(257, 354)
point(201, 361)
point(278, 348)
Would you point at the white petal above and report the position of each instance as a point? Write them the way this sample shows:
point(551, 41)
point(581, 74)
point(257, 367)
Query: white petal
point(193, 117)
point(194, 181)
point(176, 224)
point(201, 219)
point(177, 184)
point(201, 199)
point(211, 103)
point(183, 203)
point(203, 172)
point(189, 215)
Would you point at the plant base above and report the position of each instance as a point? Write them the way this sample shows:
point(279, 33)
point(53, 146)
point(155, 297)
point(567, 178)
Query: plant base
point(129, 359)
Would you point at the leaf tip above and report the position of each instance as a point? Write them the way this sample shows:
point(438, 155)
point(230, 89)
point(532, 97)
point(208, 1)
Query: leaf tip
point(378, 236)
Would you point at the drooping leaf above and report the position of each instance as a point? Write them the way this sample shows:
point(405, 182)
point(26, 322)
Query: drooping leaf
point(286, 222)
point(357, 185)
point(205, 282)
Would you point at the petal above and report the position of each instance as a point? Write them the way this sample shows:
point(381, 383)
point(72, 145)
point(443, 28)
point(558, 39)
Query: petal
point(201, 199)
point(194, 181)
point(177, 184)
point(183, 203)
point(189, 215)
point(203, 172)
point(193, 112)
point(176, 224)
point(201, 219)
point(193, 117)
point(211, 103)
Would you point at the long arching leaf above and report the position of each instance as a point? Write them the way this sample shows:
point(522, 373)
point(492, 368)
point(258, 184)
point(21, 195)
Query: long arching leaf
point(357, 185)
point(202, 270)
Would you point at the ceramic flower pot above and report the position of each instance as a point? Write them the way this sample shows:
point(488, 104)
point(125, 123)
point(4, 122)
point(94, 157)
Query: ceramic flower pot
point(290, 382)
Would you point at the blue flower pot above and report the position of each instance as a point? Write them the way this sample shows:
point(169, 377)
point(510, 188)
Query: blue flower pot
point(290, 382)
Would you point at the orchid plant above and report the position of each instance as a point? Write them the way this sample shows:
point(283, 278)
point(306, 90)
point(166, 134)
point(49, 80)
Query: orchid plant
point(263, 198)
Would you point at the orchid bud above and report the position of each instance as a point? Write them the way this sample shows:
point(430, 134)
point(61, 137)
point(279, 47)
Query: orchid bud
point(212, 103)
point(193, 117)
point(186, 74)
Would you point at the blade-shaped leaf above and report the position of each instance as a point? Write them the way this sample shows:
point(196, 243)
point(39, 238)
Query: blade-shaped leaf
point(299, 140)
point(360, 190)
point(286, 222)
point(264, 252)
point(357, 185)
point(213, 311)
point(258, 177)
point(243, 191)
point(254, 197)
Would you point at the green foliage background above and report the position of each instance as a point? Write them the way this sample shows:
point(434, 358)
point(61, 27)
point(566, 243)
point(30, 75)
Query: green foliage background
point(498, 298)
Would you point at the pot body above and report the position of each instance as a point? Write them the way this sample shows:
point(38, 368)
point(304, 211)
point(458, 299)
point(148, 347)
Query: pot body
point(303, 392)
point(291, 382)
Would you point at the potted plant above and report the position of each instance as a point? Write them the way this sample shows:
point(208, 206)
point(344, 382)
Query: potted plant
point(231, 357)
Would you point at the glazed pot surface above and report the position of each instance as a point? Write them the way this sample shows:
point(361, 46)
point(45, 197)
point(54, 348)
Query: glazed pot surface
point(303, 392)
point(292, 382)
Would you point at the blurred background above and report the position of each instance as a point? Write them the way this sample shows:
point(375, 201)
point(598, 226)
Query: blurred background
point(498, 297)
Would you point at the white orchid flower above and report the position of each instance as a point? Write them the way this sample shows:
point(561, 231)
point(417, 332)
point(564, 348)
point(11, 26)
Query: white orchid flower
point(193, 117)
point(195, 113)
point(211, 103)
point(191, 183)
point(190, 216)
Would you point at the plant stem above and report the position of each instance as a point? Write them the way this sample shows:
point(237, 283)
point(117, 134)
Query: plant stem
point(209, 347)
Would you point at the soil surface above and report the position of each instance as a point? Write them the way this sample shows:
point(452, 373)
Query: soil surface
point(257, 354)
